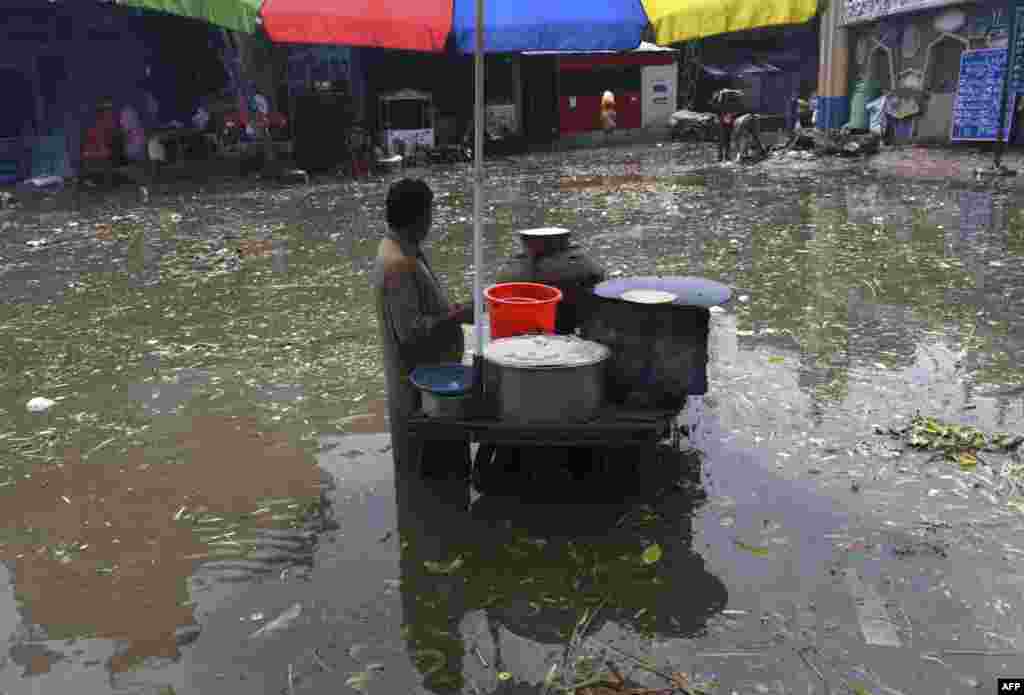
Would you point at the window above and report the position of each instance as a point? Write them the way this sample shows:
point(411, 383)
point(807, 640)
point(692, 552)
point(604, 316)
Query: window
point(944, 70)
point(406, 114)
point(879, 70)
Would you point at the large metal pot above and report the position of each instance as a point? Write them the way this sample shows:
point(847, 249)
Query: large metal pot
point(546, 378)
point(660, 351)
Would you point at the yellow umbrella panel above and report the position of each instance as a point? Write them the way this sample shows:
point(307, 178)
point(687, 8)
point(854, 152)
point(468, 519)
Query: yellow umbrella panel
point(675, 21)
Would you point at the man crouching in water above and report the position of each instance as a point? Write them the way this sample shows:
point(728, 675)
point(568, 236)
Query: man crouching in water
point(418, 325)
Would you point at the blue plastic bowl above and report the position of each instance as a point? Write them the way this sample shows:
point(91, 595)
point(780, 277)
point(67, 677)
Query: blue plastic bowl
point(443, 379)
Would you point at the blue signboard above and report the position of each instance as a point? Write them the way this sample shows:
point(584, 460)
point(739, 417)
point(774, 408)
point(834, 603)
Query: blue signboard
point(978, 93)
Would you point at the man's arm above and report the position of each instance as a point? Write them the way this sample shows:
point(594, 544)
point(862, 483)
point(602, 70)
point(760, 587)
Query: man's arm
point(402, 302)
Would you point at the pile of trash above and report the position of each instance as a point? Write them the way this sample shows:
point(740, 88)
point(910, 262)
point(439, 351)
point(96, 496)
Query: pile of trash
point(842, 143)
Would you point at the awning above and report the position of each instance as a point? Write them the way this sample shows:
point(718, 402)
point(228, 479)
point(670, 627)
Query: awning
point(721, 71)
point(238, 15)
point(644, 47)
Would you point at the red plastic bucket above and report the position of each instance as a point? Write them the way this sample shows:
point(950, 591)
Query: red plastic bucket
point(517, 308)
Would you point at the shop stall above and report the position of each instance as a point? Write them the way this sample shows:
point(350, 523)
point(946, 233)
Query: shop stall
point(406, 119)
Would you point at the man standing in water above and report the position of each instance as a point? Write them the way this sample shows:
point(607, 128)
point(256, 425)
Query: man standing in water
point(727, 103)
point(418, 325)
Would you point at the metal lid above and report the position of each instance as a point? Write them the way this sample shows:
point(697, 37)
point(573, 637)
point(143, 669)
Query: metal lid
point(545, 231)
point(545, 351)
point(689, 291)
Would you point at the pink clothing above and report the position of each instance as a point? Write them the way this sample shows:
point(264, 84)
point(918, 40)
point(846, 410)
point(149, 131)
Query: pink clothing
point(134, 134)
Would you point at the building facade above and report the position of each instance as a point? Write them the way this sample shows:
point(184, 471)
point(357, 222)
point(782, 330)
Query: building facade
point(911, 51)
point(644, 82)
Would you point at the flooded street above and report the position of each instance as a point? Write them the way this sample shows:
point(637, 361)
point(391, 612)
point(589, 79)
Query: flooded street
point(210, 506)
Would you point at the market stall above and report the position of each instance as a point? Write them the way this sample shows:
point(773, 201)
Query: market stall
point(406, 117)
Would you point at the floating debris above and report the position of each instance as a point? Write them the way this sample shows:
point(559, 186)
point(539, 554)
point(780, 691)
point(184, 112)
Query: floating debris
point(280, 622)
point(651, 554)
point(441, 568)
point(40, 404)
point(957, 443)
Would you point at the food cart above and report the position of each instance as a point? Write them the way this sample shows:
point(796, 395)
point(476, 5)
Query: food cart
point(620, 384)
point(407, 117)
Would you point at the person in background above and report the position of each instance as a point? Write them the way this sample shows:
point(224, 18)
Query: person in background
point(418, 325)
point(134, 133)
point(727, 105)
point(608, 114)
point(793, 111)
point(101, 139)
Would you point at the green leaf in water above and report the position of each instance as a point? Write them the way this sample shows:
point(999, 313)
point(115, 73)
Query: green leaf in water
point(358, 681)
point(967, 460)
point(652, 554)
point(753, 549)
point(776, 359)
point(441, 568)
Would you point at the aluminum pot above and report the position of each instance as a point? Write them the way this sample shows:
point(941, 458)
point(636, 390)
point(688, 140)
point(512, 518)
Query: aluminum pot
point(546, 378)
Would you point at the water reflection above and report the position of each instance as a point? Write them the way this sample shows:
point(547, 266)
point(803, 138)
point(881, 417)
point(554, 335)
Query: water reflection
point(432, 523)
point(103, 547)
point(531, 570)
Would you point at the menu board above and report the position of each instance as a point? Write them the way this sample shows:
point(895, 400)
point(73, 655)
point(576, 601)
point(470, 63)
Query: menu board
point(978, 93)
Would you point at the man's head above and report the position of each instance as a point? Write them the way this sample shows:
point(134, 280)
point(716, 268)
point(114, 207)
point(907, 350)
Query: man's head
point(410, 209)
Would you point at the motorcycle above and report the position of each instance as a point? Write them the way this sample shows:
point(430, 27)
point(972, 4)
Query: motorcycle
point(698, 127)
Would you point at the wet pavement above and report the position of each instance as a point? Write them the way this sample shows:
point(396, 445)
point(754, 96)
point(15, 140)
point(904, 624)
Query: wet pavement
point(210, 506)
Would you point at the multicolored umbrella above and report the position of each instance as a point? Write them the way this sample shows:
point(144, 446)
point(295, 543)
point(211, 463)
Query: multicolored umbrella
point(511, 26)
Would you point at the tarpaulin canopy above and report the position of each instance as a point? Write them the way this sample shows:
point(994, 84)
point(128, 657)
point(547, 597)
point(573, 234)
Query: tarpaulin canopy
point(742, 69)
point(238, 15)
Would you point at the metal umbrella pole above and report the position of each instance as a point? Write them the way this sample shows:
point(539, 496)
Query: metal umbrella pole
point(478, 202)
point(1000, 148)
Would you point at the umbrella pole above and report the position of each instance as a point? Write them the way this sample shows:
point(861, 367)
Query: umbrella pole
point(478, 195)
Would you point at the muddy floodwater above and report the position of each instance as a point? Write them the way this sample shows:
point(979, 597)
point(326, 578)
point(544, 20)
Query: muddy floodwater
point(209, 504)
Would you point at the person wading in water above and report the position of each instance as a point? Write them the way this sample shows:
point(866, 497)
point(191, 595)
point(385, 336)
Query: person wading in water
point(418, 325)
point(728, 105)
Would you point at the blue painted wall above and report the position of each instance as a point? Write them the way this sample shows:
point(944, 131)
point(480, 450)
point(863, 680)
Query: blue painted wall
point(833, 112)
